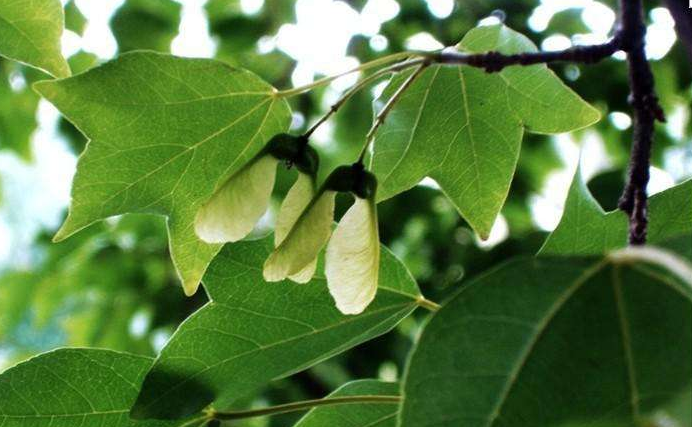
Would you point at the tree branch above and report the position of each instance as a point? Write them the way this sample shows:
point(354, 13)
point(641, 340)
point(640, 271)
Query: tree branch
point(646, 111)
point(494, 61)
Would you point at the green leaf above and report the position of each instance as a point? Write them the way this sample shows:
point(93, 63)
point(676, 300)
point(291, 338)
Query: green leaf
point(463, 127)
point(219, 9)
point(30, 32)
point(356, 415)
point(164, 132)
point(15, 299)
point(552, 341)
point(74, 19)
point(17, 110)
point(74, 387)
point(253, 332)
point(585, 229)
point(82, 61)
point(146, 24)
point(680, 409)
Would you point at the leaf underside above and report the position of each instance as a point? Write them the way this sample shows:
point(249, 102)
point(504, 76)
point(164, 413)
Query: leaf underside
point(164, 132)
point(463, 127)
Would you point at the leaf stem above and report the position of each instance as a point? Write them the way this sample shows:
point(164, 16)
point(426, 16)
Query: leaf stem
point(360, 86)
point(379, 62)
point(427, 304)
point(303, 405)
point(204, 418)
point(382, 115)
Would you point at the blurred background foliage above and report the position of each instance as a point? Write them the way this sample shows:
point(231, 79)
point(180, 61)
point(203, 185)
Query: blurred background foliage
point(113, 285)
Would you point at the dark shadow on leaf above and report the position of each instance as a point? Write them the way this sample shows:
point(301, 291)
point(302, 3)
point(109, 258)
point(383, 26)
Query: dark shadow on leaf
point(155, 401)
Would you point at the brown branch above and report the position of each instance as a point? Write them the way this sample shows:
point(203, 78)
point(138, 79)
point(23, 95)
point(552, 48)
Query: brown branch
point(494, 61)
point(646, 111)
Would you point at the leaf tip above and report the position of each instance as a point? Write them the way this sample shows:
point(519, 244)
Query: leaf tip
point(63, 233)
point(190, 289)
point(590, 115)
point(482, 229)
point(190, 281)
point(594, 115)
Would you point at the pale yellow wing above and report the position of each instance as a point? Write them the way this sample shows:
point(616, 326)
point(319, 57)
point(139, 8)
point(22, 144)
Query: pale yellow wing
point(305, 240)
point(233, 210)
point(297, 199)
point(353, 258)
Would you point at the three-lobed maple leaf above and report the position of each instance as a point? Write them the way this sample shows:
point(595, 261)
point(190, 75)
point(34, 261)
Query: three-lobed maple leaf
point(463, 127)
point(164, 133)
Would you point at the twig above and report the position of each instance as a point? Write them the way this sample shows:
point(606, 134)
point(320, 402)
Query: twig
point(495, 61)
point(492, 62)
point(489, 61)
point(646, 111)
point(358, 87)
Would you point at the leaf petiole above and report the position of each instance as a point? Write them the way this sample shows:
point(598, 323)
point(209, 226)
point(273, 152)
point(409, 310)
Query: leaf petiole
point(382, 115)
point(427, 304)
point(303, 405)
point(360, 86)
point(196, 421)
point(379, 62)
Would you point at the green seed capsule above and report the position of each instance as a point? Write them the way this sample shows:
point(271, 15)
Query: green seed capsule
point(294, 150)
point(366, 185)
point(308, 161)
point(285, 147)
point(342, 179)
point(353, 179)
